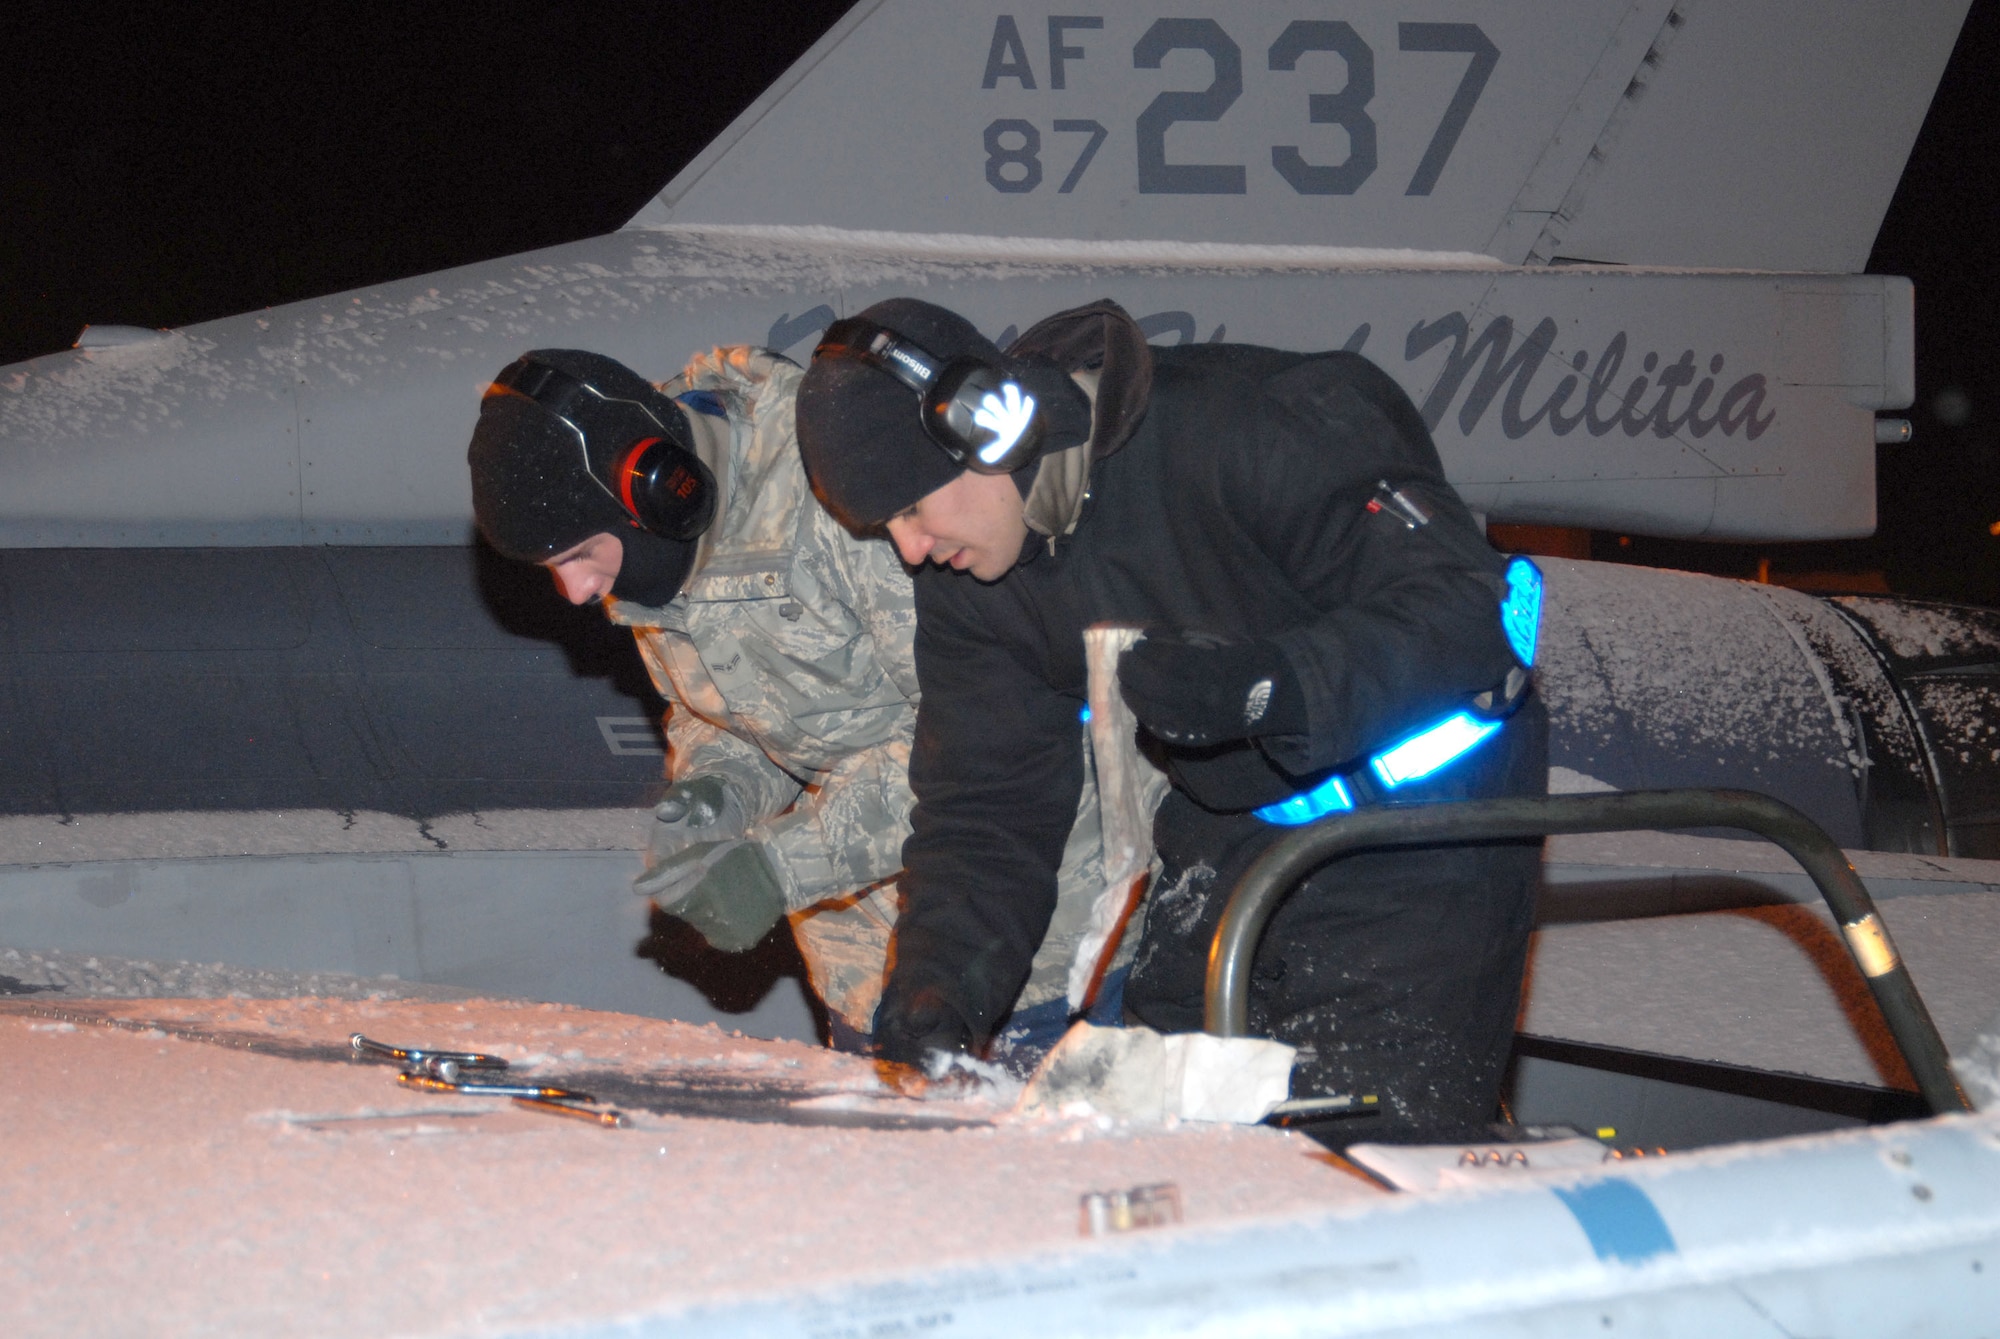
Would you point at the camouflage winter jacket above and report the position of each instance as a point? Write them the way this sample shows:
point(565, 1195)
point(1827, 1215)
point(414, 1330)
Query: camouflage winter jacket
point(787, 660)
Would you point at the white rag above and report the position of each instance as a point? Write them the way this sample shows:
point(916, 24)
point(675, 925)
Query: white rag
point(1142, 1076)
point(1129, 789)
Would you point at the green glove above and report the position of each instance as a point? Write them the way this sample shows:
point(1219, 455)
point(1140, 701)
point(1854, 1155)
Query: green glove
point(698, 809)
point(726, 890)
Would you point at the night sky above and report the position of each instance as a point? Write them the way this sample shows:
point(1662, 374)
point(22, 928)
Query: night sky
point(166, 164)
point(169, 163)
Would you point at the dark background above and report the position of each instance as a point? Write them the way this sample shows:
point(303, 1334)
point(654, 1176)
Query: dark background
point(167, 164)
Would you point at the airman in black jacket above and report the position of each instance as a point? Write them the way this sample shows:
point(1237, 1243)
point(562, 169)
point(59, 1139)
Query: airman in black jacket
point(1312, 593)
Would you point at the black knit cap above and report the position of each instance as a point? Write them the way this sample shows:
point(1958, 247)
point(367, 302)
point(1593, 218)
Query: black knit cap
point(537, 490)
point(861, 431)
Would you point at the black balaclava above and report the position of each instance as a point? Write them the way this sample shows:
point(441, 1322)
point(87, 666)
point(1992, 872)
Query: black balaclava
point(861, 431)
point(537, 490)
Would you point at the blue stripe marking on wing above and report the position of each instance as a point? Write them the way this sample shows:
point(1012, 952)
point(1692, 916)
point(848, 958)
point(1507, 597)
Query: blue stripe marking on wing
point(1620, 1219)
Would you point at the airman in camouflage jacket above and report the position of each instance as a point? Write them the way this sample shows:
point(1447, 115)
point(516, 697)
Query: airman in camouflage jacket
point(788, 665)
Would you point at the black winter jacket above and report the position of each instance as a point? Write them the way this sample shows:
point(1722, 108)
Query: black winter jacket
point(1239, 508)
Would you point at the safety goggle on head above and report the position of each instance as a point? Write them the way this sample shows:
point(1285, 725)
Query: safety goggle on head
point(977, 414)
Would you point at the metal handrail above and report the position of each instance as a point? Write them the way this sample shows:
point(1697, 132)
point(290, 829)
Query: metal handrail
point(1279, 869)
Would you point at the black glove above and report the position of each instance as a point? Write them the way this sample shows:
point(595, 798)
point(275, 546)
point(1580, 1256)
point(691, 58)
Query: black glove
point(911, 1031)
point(1191, 689)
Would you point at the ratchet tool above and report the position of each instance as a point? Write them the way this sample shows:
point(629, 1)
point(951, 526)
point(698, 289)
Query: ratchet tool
point(470, 1089)
point(445, 1065)
point(470, 1074)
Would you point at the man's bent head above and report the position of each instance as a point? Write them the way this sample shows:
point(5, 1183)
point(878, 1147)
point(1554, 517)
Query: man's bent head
point(548, 460)
point(861, 431)
point(902, 400)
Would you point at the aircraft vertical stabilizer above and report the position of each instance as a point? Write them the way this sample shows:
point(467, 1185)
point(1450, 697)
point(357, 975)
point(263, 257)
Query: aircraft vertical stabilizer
point(1655, 132)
